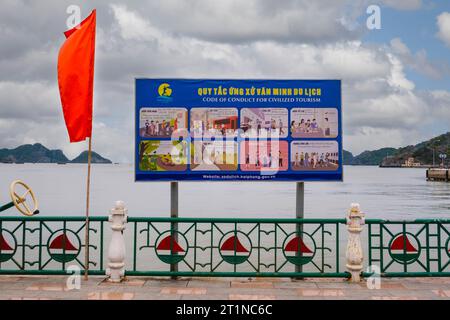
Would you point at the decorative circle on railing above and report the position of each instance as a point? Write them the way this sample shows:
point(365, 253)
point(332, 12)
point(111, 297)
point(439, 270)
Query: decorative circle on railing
point(8, 245)
point(235, 247)
point(64, 245)
point(171, 247)
point(404, 248)
point(299, 248)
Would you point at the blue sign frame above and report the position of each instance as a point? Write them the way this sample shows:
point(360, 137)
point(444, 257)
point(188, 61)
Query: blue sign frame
point(313, 97)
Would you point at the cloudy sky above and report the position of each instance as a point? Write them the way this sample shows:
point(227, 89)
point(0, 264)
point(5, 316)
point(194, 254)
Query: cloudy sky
point(396, 80)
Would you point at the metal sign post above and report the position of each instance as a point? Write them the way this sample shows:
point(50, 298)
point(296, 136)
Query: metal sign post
point(300, 214)
point(174, 214)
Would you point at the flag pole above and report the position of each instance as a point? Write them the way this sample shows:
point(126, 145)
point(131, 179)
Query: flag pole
point(86, 239)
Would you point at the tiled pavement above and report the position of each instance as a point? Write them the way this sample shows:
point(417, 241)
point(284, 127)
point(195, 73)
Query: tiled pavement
point(54, 287)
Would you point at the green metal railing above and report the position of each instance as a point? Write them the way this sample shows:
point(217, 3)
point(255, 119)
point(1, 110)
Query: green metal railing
point(49, 245)
point(225, 247)
point(414, 248)
point(236, 247)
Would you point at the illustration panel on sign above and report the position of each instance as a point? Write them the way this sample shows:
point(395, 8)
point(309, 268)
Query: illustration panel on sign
point(161, 122)
point(264, 155)
point(314, 123)
point(264, 122)
point(162, 155)
point(314, 155)
point(214, 155)
point(213, 122)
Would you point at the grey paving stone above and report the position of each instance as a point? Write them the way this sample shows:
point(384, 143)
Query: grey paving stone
point(421, 294)
point(205, 297)
point(342, 285)
point(247, 291)
point(364, 294)
point(208, 283)
point(289, 297)
point(166, 283)
point(422, 286)
point(295, 285)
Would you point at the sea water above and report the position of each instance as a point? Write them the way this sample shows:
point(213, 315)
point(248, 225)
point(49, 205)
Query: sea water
point(389, 193)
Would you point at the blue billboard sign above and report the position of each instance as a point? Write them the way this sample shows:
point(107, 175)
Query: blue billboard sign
point(238, 130)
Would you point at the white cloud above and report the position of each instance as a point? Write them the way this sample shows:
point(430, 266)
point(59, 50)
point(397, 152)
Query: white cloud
point(243, 21)
point(370, 138)
point(443, 23)
point(134, 27)
point(401, 110)
point(419, 61)
point(397, 78)
point(441, 102)
point(28, 100)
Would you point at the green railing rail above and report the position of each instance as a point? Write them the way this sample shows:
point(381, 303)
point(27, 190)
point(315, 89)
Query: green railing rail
point(227, 247)
point(413, 248)
point(230, 247)
point(49, 245)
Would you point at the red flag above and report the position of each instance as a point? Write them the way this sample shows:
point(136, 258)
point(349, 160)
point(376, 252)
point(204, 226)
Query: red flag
point(76, 78)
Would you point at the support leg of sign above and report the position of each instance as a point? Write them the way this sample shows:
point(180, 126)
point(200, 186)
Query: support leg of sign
point(299, 214)
point(174, 214)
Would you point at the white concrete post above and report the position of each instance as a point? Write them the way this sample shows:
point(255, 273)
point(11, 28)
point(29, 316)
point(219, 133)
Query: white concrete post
point(354, 255)
point(116, 251)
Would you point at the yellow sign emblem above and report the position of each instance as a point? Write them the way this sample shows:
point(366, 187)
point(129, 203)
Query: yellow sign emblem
point(164, 90)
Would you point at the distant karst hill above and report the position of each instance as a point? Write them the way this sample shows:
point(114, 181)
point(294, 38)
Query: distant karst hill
point(368, 158)
point(37, 153)
point(96, 158)
point(421, 152)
